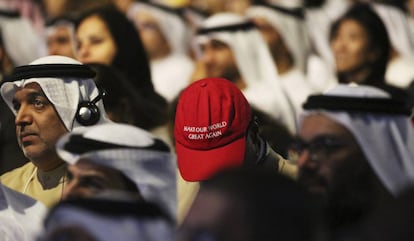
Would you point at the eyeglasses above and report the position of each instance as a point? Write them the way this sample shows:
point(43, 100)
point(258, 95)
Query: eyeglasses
point(319, 148)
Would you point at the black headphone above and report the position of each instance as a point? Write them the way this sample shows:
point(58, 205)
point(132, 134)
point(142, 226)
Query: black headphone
point(88, 112)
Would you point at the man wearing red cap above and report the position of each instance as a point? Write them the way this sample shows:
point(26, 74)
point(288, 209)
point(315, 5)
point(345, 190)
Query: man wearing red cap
point(214, 130)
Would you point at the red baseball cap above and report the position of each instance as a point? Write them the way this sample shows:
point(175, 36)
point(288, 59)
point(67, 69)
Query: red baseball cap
point(211, 122)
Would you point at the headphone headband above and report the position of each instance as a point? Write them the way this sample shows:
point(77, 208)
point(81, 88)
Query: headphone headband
point(51, 70)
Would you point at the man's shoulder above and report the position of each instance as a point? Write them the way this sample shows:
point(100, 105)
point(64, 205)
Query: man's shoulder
point(21, 173)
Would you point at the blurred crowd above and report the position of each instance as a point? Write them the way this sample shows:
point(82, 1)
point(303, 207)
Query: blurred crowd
point(225, 120)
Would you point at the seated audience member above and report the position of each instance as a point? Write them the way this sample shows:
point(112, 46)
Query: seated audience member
point(166, 40)
point(120, 46)
point(284, 32)
point(49, 97)
point(107, 218)
point(362, 49)
point(119, 157)
point(230, 46)
point(60, 36)
point(249, 204)
point(214, 129)
point(354, 151)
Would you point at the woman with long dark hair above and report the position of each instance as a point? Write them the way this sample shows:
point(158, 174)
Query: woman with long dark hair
point(105, 35)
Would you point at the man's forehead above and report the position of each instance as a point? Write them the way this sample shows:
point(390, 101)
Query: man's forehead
point(214, 42)
point(86, 163)
point(318, 124)
point(30, 87)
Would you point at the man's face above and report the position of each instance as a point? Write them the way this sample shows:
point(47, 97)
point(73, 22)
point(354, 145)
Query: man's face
point(269, 33)
point(95, 42)
point(60, 42)
point(219, 60)
point(38, 125)
point(335, 161)
point(86, 178)
point(153, 39)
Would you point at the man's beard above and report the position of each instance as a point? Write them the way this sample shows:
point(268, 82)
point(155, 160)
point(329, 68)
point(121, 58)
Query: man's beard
point(347, 198)
point(230, 73)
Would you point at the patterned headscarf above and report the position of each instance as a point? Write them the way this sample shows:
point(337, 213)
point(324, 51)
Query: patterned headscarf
point(64, 93)
point(144, 159)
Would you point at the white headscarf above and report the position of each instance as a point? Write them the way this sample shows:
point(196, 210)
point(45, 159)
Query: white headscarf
point(255, 64)
point(64, 93)
point(396, 22)
point(387, 140)
point(20, 40)
point(291, 28)
point(20, 216)
point(252, 55)
point(104, 225)
point(152, 170)
point(172, 26)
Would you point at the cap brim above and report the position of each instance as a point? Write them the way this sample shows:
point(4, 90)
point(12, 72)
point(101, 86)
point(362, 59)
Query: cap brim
point(198, 165)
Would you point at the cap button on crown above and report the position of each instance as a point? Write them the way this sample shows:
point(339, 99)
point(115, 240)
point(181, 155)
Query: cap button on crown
point(203, 84)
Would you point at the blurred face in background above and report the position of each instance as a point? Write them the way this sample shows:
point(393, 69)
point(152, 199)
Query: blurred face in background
point(350, 46)
point(60, 41)
point(272, 37)
point(94, 42)
point(219, 60)
point(153, 39)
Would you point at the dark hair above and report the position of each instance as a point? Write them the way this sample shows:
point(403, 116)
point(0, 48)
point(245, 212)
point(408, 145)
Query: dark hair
point(120, 98)
point(130, 58)
point(378, 39)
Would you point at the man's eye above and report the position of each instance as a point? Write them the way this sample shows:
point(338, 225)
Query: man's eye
point(93, 184)
point(16, 106)
point(38, 104)
point(69, 176)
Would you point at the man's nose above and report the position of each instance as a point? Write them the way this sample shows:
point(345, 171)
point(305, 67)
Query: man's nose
point(305, 160)
point(207, 56)
point(23, 116)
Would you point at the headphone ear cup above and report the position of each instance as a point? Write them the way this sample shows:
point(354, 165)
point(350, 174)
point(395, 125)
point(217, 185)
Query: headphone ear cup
point(87, 114)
